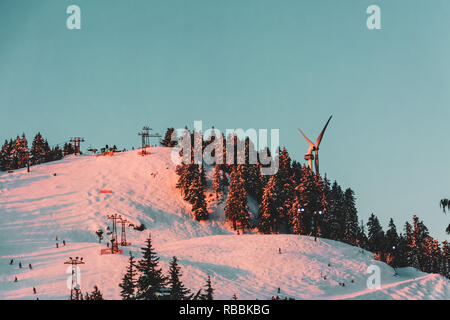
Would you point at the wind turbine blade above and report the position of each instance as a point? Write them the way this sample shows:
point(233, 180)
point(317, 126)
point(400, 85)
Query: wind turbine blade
point(319, 139)
point(309, 141)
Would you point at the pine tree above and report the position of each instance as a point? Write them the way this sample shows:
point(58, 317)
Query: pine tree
point(445, 262)
point(5, 156)
point(392, 244)
point(209, 291)
point(19, 152)
point(362, 240)
point(68, 149)
point(268, 209)
point(236, 209)
point(128, 283)
point(57, 154)
point(286, 191)
point(197, 198)
point(168, 142)
point(252, 177)
point(351, 217)
point(96, 294)
point(177, 290)
point(375, 235)
point(416, 244)
point(335, 215)
point(37, 149)
point(306, 205)
point(401, 252)
point(219, 181)
point(151, 282)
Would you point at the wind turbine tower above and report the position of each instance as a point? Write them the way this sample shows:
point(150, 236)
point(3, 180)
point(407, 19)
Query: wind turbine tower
point(309, 156)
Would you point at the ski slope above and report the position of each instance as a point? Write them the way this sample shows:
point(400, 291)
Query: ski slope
point(39, 206)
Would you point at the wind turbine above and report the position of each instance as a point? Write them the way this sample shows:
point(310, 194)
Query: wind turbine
point(314, 147)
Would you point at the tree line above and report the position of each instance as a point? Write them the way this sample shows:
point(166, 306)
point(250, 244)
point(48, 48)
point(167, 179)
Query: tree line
point(15, 153)
point(144, 280)
point(295, 200)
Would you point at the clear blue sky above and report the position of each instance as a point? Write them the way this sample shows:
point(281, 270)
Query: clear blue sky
point(247, 64)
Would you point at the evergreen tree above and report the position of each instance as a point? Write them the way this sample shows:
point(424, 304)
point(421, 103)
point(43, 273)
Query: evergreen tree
point(197, 198)
point(392, 244)
point(286, 192)
point(37, 149)
point(57, 154)
point(19, 152)
point(128, 283)
point(375, 235)
point(418, 238)
point(151, 282)
point(445, 262)
point(167, 141)
point(335, 216)
point(5, 156)
point(362, 240)
point(68, 149)
point(269, 207)
point(351, 218)
point(401, 252)
point(252, 177)
point(306, 205)
point(96, 294)
point(219, 181)
point(236, 209)
point(177, 290)
point(209, 291)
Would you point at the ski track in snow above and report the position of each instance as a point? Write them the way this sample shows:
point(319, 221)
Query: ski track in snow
point(36, 207)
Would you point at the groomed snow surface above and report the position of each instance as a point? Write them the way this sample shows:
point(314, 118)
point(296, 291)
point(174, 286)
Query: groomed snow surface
point(39, 206)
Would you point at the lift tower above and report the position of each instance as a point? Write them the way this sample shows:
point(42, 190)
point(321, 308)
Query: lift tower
point(75, 291)
point(114, 242)
point(145, 134)
point(76, 144)
point(123, 236)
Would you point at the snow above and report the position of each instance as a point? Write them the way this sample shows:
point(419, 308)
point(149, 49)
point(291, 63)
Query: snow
point(37, 207)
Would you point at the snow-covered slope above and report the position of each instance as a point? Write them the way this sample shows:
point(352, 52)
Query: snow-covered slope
point(39, 206)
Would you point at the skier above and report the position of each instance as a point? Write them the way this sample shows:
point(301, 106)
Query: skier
point(20, 265)
point(64, 242)
point(279, 250)
point(57, 246)
point(29, 266)
point(56, 238)
point(34, 290)
point(15, 279)
point(11, 262)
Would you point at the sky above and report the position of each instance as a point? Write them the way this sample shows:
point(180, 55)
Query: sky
point(260, 64)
